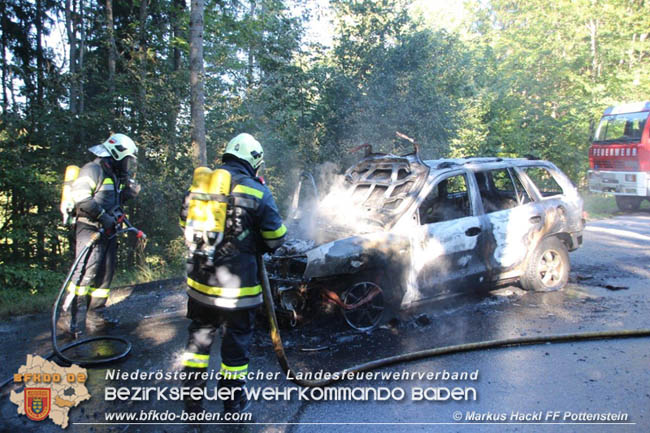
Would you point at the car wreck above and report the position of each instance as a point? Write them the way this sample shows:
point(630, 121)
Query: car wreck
point(397, 231)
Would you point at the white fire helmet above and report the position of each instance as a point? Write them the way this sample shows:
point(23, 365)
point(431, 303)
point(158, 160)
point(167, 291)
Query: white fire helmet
point(118, 146)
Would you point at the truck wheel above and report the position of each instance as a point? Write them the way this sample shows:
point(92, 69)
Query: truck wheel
point(548, 267)
point(627, 203)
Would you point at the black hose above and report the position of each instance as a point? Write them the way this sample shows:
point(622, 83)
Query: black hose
point(55, 309)
point(58, 351)
point(412, 356)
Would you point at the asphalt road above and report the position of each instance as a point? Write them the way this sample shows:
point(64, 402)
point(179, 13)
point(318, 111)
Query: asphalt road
point(510, 390)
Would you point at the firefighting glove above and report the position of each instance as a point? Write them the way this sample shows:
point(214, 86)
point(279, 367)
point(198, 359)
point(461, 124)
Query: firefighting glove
point(107, 221)
point(134, 186)
point(131, 190)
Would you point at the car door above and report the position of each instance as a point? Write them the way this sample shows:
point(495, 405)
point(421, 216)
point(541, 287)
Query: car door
point(445, 248)
point(513, 219)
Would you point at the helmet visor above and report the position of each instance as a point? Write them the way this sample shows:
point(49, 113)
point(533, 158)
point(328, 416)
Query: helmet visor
point(99, 150)
point(128, 166)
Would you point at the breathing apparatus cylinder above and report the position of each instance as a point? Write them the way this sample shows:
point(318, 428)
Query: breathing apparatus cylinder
point(219, 191)
point(206, 216)
point(67, 203)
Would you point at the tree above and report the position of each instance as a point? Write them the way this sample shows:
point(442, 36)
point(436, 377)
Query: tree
point(197, 77)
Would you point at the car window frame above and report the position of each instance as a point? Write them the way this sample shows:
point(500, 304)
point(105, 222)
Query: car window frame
point(511, 173)
point(530, 185)
point(472, 187)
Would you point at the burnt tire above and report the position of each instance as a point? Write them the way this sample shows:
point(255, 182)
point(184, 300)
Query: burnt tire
point(627, 203)
point(548, 267)
point(366, 317)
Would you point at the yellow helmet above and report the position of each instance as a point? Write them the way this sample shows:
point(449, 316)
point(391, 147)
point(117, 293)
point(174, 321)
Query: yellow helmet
point(244, 146)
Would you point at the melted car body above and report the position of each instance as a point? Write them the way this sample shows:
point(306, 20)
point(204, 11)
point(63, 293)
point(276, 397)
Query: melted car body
point(400, 231)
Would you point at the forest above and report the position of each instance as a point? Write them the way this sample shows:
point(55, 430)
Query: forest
point(510, 78)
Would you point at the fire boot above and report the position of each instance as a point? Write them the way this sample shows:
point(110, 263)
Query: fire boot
point(68, 320)
point(96, 318)
point(238, 404)
point(194, 407)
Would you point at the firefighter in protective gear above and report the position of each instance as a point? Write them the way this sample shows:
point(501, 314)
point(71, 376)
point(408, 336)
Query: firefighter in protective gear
point(100, 188)
point(227, 290)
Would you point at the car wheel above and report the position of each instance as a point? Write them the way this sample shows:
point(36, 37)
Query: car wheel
point(627, 203)
point(370, 300)
point(548, 267)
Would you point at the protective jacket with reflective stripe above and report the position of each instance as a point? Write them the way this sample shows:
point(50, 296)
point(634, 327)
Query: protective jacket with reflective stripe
point(254, 225)
point(96, 188)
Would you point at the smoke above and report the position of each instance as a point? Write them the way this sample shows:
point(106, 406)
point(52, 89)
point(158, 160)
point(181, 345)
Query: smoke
point(331, 210)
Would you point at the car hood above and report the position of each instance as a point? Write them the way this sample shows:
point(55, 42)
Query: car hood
point(354, 253)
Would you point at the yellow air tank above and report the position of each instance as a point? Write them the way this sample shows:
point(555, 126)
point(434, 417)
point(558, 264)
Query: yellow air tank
point(67, 204)
point(198, 213)
point(219, 191)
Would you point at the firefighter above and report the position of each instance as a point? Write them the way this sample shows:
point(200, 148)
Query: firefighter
point(98, 193)
point(226, 290)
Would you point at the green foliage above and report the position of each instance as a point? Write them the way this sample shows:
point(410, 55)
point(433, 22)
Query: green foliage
point(549, 69)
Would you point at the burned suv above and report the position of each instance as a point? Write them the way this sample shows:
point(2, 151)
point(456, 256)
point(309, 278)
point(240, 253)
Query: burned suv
point(397, 231)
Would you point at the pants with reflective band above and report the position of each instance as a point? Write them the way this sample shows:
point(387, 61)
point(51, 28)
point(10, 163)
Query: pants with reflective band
point(94, 274)
point(238, 332)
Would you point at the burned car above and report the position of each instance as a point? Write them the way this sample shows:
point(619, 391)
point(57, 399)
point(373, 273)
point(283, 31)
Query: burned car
point(398, 231)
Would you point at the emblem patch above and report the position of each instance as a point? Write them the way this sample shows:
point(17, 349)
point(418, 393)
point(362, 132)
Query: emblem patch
point(37, 403)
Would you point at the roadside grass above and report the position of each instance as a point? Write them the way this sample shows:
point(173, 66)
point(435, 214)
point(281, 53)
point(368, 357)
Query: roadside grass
point(599, 206)
point(15, 302)
point(16, 299)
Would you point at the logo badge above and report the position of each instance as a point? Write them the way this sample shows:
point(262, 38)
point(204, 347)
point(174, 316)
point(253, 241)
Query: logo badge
point(37, 403)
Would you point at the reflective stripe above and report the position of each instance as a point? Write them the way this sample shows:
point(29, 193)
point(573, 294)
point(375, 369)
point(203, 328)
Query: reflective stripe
point(99, 293)
point(78, 290)
point(249, 302)
point(274, 234)
point(231, 372)
point(84, 180)
point(248, 190)
point(248, 203)
point(224, 291)
point(77, 196)
point(107, 187)
point(196, 360)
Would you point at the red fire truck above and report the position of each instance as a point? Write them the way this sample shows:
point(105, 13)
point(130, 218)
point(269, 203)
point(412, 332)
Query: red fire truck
point(619, 157)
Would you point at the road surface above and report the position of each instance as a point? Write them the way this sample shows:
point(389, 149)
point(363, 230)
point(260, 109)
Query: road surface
point(508, 390)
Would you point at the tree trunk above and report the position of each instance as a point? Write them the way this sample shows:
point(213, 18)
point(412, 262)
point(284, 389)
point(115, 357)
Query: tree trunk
point(5, 101)
point(39, 53)
point(197, 77)
point(72, 42)
point(593, 34)
point(251, 47)
point(112, 53)
point(82, 51)
point(142, 90)
point(175, 15)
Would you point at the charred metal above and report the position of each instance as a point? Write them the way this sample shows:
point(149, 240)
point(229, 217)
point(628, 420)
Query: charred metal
point(396, 231)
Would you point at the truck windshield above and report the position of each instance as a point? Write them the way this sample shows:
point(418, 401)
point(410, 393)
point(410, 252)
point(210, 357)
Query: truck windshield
point(618, 128)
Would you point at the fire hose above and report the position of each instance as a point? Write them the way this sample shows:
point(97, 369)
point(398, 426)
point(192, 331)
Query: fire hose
point(278, 347)
point(58, 351)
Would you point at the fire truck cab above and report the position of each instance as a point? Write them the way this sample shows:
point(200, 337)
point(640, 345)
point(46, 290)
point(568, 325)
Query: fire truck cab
point(619, 156)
